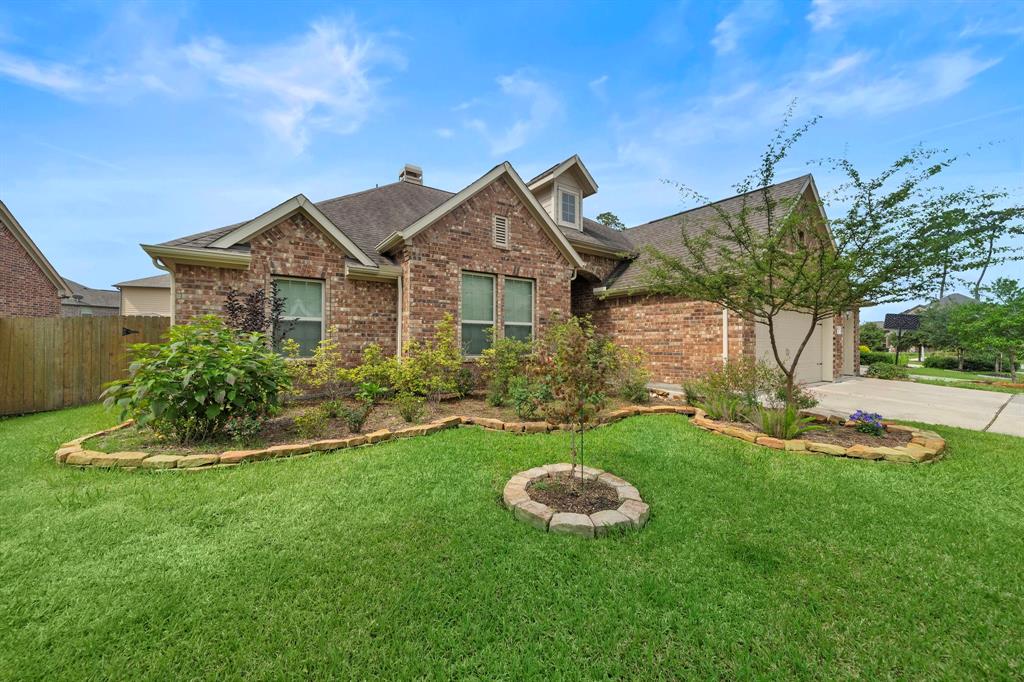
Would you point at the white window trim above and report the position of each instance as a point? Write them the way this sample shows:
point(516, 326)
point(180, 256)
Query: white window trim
point(323, 301)
point(494, 231)
point(559, 191)
point(533, 306)
point(493, 322)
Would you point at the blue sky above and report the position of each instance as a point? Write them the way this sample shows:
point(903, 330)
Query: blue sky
point(129, 123)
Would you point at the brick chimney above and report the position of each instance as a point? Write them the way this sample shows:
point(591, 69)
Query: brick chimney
point(412, 174)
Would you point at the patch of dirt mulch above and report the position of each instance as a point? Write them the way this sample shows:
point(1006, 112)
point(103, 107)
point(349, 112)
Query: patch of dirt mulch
point(842, 435)
point(847, 436)
point(587, 498)
point(281, 429)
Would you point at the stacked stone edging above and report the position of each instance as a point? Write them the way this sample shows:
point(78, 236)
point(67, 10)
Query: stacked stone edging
point(925, 446)
point(632, 511)
point(73, 453)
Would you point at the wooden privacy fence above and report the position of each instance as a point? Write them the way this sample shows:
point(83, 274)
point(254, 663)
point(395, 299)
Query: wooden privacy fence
point(51, 362)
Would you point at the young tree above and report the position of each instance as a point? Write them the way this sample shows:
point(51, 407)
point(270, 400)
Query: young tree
point(577, 365)
point(995, 324)
point(938, 332)
point(774, 254)
point(872, 336)
point(611, 220)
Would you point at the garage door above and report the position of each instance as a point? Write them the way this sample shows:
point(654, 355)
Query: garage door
point(789, 333)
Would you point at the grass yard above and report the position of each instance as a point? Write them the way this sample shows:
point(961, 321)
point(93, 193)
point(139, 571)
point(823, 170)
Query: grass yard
point(396, 561)
point(974, 380)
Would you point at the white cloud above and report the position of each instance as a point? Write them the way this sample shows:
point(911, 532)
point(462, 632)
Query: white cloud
point(597, 86)
point(322, 81)
point(823, 14)
point(543, 107)
point(325, 80)
point(55, 77)
point(445, 133)
point(731, 30)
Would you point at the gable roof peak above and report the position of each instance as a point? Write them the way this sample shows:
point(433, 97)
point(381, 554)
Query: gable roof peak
point(573, 162)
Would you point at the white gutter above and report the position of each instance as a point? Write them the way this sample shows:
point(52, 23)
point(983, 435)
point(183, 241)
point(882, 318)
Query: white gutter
point(725, 335)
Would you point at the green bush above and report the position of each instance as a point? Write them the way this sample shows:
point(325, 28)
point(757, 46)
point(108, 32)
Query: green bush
point(355, 416)
point(802, 398)
point(631, 377)
point(871, 357)
point(431, 368)
point(947, 361)
point(887, 370)
point(785, 422)
point(410, 406)
point(528, 396)
point(505, 360)
point(312, 423)
point(190, 386)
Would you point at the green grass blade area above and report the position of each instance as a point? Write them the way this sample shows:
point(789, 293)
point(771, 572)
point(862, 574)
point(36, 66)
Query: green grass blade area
point(397, 561)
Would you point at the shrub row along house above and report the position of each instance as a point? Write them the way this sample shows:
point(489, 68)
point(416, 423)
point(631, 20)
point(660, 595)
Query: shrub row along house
point(384, 265)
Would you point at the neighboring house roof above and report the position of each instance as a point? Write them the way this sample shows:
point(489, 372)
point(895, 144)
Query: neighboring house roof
point(663, 234)
point(21, 236)
point(896, 321)
point(154, 282)
point(82, 295)
point(948, 299)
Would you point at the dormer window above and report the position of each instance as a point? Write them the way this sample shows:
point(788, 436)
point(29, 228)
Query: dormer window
point(568, 208)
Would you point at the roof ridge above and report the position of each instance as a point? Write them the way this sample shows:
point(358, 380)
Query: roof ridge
point(379, 187)
point(719, 201)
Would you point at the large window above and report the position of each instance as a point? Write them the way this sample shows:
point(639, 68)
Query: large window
point(568, 207)
point(477, 312)
point(303, 316)
point(518, 309)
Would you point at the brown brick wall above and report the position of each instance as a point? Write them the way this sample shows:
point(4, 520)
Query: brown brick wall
point(681, 339)
point(598, 269)
point(363, 312)
point(24, 289)
point(434, 260)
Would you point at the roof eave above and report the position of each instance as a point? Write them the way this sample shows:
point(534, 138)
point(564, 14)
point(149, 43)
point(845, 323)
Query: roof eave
point(383, 273)
point(188, 256)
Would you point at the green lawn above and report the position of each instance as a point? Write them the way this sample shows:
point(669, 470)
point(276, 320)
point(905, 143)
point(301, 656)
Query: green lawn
point(949, 373)
point(972, 380)
point(396, 561)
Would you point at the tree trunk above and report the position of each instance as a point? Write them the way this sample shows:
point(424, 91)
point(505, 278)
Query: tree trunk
point(960, 359)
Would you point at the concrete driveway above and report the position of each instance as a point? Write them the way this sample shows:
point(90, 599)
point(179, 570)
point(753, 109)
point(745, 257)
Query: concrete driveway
point(963, 407)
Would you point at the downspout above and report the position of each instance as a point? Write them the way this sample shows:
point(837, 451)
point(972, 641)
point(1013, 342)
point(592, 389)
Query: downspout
point(725, 335)
point(398, 330)
point(159, 266)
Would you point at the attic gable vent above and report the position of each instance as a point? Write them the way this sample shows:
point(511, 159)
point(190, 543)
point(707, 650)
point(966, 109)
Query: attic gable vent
point(501, 231)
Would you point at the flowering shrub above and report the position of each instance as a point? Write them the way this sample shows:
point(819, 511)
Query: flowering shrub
point(868, 422)
point(206, 373)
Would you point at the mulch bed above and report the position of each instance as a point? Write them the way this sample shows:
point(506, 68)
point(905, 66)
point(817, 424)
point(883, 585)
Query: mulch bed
point(844, 435)
point(590, 497)
point(281, 429)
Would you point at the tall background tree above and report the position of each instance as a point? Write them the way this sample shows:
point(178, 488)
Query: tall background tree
point(611, 220)
point(774, 255)
point(872, 336)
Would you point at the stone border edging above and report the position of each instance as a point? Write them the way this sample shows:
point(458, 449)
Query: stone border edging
point(73, 453)
point(633, 512)
point(924, 446)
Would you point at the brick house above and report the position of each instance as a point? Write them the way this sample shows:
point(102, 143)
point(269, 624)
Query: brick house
point(29, 285)
point(384, 265)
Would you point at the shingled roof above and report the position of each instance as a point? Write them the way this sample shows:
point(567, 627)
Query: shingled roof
point(366, 217)
point(663, 234)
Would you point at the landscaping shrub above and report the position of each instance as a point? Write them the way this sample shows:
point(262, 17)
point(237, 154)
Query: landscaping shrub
point(190, 386)
point(465, 381)
point(244, 428)
point(411, 407)
point(949, 361)
point(527, 396)
point(332, 408)
point(872, 357)
point(376, 369)
point(355, 416)
point(504, 361)
point(868, 422)
point(431, 368)
point(631, 376)
point(785, 422)
point(887, 370)
point(802, 398)
point(312, 423)
point(724, 406)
